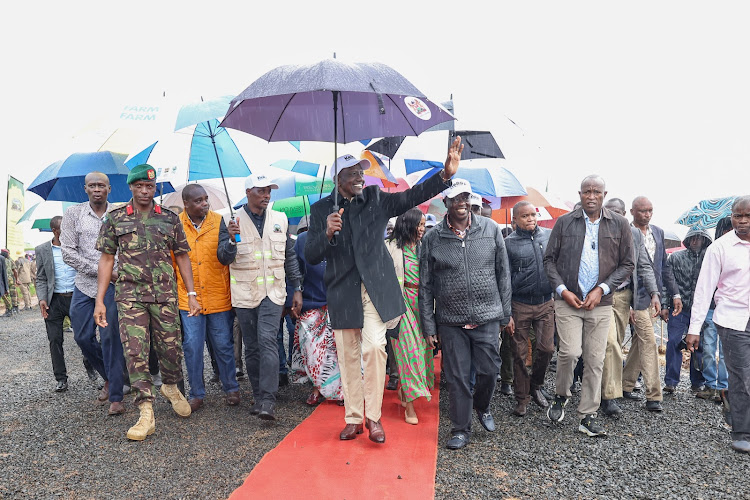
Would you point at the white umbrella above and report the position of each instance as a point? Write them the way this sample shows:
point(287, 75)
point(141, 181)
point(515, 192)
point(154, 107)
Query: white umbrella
point(216, 197)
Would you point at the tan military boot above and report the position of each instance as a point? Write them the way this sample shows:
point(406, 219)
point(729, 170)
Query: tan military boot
point(146, 425)
point(179, 403)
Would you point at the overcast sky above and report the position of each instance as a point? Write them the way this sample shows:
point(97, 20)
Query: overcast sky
point(651, 95)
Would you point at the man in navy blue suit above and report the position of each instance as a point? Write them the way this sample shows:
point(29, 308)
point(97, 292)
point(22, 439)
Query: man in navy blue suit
point(643, 356)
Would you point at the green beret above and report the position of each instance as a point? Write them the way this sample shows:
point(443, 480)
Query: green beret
point(143, 172)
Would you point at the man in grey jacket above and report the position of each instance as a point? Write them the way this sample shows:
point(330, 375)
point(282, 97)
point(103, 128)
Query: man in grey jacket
point(623, 299)
point(464, 299)
point(589, 254)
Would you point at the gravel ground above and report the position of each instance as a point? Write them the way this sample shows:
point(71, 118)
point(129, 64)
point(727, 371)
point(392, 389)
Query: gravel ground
point(681, 453)
point(64, 445)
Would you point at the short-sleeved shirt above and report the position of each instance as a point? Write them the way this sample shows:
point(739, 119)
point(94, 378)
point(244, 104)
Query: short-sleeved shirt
point(144, 241)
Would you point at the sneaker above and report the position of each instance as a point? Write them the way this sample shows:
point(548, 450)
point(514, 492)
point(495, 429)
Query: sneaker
point(591, 427)
point(556, 410)
point(239, 374)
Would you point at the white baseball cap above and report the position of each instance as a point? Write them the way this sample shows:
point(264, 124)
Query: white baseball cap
point(347, 161)
point(459, 186)
point(475, 200)
point(430, 220)
point(259, 181)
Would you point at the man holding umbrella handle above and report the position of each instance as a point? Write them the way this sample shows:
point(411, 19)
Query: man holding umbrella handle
point(363, 292)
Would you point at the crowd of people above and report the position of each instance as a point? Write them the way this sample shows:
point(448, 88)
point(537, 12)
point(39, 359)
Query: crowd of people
point(366, 311)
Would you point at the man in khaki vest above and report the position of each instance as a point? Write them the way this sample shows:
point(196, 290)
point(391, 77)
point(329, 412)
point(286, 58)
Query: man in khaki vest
point(23, 266)
point(264, 264)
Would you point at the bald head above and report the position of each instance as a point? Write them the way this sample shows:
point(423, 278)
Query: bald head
point(640, 200)
point(642, 210)
point(192, 191)
point(594, 178)
point(592, 193)
point(616, 205)
point(55, 222)
point(96, 185)
point(517, 207)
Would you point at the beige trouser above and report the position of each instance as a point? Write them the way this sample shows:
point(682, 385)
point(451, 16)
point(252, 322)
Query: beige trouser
point(581, 332)
point(26, 295)
point(612, 370)
point(643, 358)
point(360, 350)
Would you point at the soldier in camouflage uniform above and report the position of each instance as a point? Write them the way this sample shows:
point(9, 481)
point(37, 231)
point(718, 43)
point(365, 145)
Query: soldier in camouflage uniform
point(144, 234)
point(11, 298)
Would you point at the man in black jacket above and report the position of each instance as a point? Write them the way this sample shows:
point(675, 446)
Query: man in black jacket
point(532, 305)
point(464, 298)
point(363, 291)
point(589, 254)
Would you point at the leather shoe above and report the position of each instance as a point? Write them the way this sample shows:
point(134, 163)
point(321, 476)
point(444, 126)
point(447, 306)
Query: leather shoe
point(104, 393)
point(62, 386)
point(506, 389)
point(195, 403)
point(267, 412)
point(255, 409)
point(669, 389)
point(654, 406)
point(392, 384)
point(350, 432)
point(520, 409)
point(314, 399)
point(283, 379)
point(610, 408)
point(485, 418)
point(377, 434)
point(741, 446)
point(631, 395)
point(116, 408)
point(538, 398)
point(457, 441)
point(233, 398)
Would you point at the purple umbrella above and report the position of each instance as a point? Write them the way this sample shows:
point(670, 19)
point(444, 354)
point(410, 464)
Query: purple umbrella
point(332, 101)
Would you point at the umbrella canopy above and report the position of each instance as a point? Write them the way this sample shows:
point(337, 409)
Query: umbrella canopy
point(64, 179)
point(487, 178)
point(40, 214)
point(216, 197)
point(551, 203)
point(707, 213)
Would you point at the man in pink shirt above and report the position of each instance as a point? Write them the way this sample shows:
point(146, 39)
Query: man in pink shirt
point(726, 270)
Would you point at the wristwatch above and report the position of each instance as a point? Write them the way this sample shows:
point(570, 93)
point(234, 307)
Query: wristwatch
point(194, 294)
point(298, 288)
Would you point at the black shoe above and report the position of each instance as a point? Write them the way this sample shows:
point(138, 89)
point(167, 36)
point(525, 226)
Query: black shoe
point(238, 373)
point(215, 378)
point(556, 411)
point(547, 395)
point(631, 395)
point(669, 389)
point(392, 384)
point(255, 409)
point(267, 412)
point(283, 379)
point(591, 427)
point(92, 375)
point(654, 406)
point(506, 389)
point(457, 441)
point(485, 418)
point(696, 388)
point(62, 386)
point(538, 398)
point(610, 408)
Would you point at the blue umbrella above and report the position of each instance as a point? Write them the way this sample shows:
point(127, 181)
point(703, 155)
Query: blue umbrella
point(331, 101)
point(707, 213)
point(487, 178)
point(64, 179)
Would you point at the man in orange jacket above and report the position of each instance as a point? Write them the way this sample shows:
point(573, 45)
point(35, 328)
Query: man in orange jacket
point(212, 250)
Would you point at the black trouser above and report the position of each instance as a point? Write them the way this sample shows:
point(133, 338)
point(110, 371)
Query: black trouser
point(461, 348)
point(59, 307)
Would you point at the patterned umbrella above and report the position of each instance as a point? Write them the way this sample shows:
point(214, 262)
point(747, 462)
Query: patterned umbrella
point(707, 213)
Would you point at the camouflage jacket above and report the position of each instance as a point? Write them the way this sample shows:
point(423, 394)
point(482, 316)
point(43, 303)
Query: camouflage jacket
point(10, 266)
point(146, 273)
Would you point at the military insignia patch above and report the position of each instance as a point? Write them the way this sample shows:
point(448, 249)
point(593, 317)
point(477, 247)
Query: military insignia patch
point(151, 175)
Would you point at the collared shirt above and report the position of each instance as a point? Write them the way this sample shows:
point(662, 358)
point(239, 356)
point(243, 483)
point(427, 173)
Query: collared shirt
point(65, 275)
point(258, 220)
point(78, 233)
point(648, 240)
point(725, 269)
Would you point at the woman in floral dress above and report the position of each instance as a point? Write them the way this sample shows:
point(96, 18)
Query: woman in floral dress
point(413, 355)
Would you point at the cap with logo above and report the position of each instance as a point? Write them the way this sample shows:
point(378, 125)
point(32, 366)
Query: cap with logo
point(142, 172)
point(459, 186)
point(430, 220)
point(475, 200)
point(259, 181)
point(347, 161)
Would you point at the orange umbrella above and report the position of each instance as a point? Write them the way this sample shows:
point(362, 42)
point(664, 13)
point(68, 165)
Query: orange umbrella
point(553, 204)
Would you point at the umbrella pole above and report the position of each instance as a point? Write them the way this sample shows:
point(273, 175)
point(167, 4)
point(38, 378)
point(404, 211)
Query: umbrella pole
point(335, 154)
point(221, 172)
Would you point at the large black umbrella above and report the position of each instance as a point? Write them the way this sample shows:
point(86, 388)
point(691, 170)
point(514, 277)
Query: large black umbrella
point(477, 144)
point(332, 101)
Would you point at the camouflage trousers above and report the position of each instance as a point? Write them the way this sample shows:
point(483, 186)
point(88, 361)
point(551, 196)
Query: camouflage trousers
point(142, 323)
point(11, 298)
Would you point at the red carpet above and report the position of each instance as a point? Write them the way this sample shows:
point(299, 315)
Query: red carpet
point(311, 461)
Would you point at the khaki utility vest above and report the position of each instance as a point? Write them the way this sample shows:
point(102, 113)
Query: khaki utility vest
point(258, 269)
